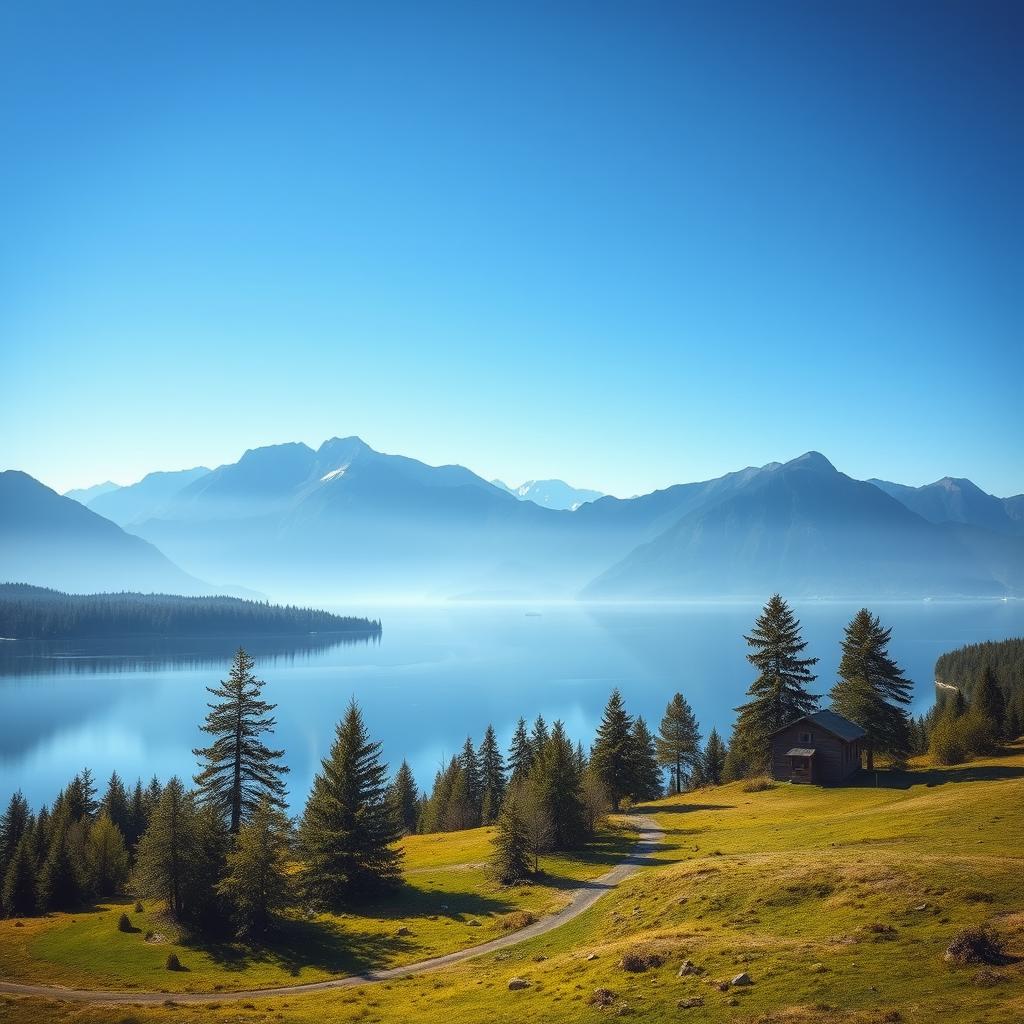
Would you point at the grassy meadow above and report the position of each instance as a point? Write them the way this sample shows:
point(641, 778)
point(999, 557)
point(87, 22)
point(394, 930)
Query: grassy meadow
point(838, 903)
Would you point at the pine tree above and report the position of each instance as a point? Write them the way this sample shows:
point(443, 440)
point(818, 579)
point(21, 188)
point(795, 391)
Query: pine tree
point(647, 781)
point(510, 861)
point(40, 836)
point(404, 799)
point(538, 736)
point(987, 699)
point(239, 768)
point(151, 797)
point(474, 782)
point(87, 788)
point(779, 693)
point(18, 893)
point(138, 817)
point(62, 874)
point(871, 687)
point(13, 825)
point(347, 831)
point(533, 809)
point(520, 753)
point(611, 758)
point(678, 741)
point(116, 804)
point(257, 884)
point(555, 781)
point(713, 761)
point(169, 850)
point(106, 856)
point(492, 777)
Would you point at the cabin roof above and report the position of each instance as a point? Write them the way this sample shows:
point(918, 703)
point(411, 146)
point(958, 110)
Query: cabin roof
point(801, 752)
point(831, 722)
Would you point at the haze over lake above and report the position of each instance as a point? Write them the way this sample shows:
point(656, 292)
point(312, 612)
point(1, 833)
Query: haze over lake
point(437, 674)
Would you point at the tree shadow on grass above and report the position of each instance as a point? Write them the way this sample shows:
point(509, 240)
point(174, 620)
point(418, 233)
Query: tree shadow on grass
point(891, 779)
point(684, 808)
point(339, 946)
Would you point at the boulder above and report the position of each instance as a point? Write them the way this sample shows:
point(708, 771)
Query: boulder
point(691, 1003)
point(403, 931)
point(742, 979)
point(515, 984)
point(688, 967)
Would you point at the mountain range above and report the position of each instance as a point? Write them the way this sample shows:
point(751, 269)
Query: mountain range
point(344, 521)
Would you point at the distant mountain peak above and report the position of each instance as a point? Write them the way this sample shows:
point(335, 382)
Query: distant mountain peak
point(812, 460)
point(553, 493)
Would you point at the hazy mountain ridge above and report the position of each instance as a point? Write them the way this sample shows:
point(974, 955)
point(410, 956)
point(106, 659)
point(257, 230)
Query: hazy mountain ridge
point(54, 541)
point(957, 500)
point(345, 520)
point(144, 499)
point(810, 530)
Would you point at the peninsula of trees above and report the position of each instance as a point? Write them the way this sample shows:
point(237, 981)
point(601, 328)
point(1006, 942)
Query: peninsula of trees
point(36, 613)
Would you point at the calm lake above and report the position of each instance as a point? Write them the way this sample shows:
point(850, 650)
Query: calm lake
point(436, 675)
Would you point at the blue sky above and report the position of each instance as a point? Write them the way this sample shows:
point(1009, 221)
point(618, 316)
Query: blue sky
point(625, 244)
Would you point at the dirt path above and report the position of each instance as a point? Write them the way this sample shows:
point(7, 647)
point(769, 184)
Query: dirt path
point(581, 899)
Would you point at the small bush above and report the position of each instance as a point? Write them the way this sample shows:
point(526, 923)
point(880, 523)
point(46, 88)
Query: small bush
point(172, 962)
point(976, 946)
point(758, 784)
point(602, 997)
point(638, 960)
point(124, 923)
point(139, 909)
point(515, 920)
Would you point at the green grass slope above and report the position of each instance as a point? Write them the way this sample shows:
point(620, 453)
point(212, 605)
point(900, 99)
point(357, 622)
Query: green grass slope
point(839, 904)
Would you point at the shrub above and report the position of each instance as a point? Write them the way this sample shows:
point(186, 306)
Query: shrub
point(638, 960)
point(173, 963)
point(758, 784)
point(978, 945)
point(139, 907)
point(515, 920)
point(124, 923)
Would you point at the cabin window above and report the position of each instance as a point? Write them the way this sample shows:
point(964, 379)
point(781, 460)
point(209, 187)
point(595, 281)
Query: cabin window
point(807, 737)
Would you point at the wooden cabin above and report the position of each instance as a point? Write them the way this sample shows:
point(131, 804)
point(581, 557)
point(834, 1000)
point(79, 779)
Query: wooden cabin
point(823, 748)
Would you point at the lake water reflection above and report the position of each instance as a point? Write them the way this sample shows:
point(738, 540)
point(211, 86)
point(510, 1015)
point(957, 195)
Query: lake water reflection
point(436, 674)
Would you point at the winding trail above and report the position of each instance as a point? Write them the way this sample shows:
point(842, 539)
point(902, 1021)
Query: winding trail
point(581, 899)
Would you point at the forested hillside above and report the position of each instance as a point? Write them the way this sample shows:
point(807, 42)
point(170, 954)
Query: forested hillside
point(28, 612)
point(962, 668)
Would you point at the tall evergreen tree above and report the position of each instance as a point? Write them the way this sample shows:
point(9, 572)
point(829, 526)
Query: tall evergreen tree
point(510, 861)
point(62, 879)
point(871, 688)
point(492, 776)
point(678, 741)
point(612, 757)
point(556, 779)
point(520, 753)
point(713, 760)
point(13, 825)
point(138, 815)
point(18, 892)
point(87, 788)
point(348, 833)
point(257, 884)
point(106, 857)
point(404, 799)
point(987, 699)
point(169, 850)
point(538, 736)
point(779, 693)
point(116, 804)
point(474, 781)
point(239, 768)
point(647, 781)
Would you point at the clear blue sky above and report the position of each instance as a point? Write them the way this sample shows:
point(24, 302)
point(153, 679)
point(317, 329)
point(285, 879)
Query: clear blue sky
point(623, 243)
